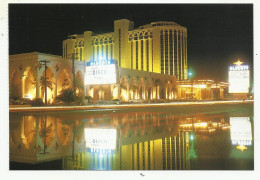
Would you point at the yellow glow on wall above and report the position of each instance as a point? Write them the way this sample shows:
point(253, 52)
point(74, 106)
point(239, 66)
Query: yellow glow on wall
point(124, 94)
point(29, 95)
point(49, 96)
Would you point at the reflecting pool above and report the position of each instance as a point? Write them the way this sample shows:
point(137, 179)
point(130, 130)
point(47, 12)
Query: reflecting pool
point(134, 140)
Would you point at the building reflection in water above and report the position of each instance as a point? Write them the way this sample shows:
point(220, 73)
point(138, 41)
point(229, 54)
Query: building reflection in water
point(116, 141)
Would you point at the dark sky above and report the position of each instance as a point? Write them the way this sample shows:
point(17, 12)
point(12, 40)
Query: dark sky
point(217, 34)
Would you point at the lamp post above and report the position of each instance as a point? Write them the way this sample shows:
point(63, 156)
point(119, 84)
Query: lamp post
point(74, 56)
point(44, 62)
point(190, 77)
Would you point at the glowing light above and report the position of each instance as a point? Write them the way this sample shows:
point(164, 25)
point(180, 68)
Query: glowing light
point(191, 137)
point(99, 139)
point(238, 62)
point(186, 125)
point(30, 96)
point(203, 124)
point(241, 147)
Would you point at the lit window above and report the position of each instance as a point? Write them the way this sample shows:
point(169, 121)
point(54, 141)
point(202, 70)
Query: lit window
point(141, 36)
point(146, 35)
point(110, 40)
point(130, 37)
point(96, 42)
point(105, 41)
point(136, 37)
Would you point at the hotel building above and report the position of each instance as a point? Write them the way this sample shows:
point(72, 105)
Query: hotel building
point(159, 47)
point(149, 62)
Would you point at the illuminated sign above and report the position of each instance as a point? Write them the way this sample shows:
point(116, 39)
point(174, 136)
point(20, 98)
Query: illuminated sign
point(241, 131)
point(100, 72)
point(102, 139)
point(239, 78)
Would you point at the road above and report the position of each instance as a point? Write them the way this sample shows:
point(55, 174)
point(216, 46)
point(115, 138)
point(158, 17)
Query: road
point(121, 106)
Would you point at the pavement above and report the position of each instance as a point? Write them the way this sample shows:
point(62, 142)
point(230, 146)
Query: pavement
point(118, 106)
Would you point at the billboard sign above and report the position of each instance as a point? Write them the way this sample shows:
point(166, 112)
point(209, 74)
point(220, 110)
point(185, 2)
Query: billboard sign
point(100, 72)
point(239, 78)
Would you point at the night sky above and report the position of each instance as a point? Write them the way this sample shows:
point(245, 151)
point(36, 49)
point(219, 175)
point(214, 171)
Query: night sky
point(217, 34)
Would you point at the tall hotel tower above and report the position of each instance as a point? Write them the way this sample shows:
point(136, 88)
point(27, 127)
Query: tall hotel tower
point(159, 47)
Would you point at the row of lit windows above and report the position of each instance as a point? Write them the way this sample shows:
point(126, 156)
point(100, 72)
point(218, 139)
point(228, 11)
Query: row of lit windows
point(102, 51)
point(143, 51)
point(79, 44)
point(163, 24)
point(140, 36)
point(173, 52)
point(175, 152)
point(100, 41)
point(78, 54)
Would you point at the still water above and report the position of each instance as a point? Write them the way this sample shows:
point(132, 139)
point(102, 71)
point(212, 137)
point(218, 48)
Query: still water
point(134, 140)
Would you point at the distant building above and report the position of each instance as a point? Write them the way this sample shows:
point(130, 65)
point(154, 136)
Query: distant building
point(201, 89)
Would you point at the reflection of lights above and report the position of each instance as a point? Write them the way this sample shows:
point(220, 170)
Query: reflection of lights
point(226, 127)
point(241, 147)
point(203, 124)
point(100, 139)
point(191, 137)
point(185, 125)
point(241, 132)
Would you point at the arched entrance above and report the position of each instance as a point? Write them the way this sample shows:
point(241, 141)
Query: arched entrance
point(29, 83)
point(64, 81)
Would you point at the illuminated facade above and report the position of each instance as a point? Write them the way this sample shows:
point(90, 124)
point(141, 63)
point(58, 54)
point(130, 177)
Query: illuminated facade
point(159, 47)
point(26, 75)
point(26, 80)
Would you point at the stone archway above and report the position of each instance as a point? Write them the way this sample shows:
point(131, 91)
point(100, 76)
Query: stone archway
point(29, 83)
point(15, 85)
point(133, 89)
point(63, 81)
